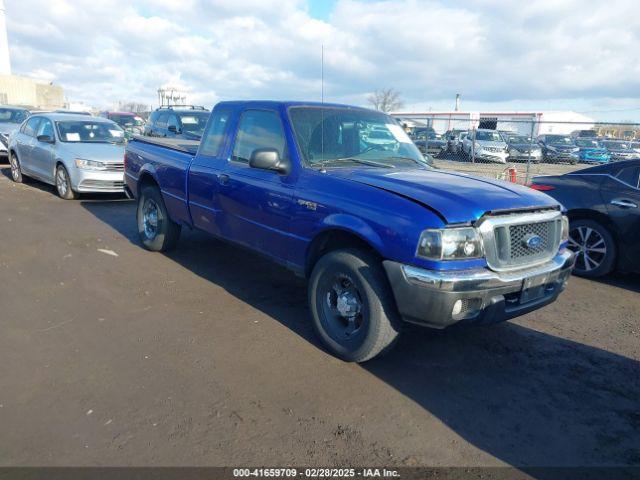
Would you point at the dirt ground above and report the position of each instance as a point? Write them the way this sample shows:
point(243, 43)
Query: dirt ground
point(112, 355)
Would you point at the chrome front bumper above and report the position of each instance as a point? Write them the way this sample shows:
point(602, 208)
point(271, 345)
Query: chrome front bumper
point(97, 181)
point(433, 297)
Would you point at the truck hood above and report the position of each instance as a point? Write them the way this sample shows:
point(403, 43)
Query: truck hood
point(456, 197)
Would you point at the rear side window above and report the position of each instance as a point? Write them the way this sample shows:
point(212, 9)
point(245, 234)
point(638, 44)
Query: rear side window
point(212, 139)
point(31, 126)
point(630, 176)
point(172, 121)
point(258, 129)
point(162, 120)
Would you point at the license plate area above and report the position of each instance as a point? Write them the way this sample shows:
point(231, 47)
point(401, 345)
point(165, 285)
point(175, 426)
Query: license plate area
point(533, 287)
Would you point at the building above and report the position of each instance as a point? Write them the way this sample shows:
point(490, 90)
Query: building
point(30, 93)
point(526, 123)
point(23, 91)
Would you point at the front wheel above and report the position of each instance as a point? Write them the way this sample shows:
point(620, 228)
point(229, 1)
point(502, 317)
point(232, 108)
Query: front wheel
point(16, 171)
point(63, 184)
point(157, 231)
point(594, 246)
point(352, 305)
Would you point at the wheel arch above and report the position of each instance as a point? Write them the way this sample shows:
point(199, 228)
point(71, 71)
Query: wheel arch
point(146, 178)
point(596, 216)
point(335, 238)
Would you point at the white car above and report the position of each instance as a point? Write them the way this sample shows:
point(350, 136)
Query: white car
point(485, 146)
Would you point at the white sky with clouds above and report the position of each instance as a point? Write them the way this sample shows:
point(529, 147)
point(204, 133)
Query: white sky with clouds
point(500, 55)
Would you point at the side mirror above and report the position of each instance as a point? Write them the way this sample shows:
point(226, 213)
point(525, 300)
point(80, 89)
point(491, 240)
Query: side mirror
point(45, 139)
point(172, 129)
point(267, 159)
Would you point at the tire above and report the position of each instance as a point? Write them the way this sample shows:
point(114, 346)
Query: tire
point(16, 171)
point(354, 281)
point(157, 231)
point(63, 184)
point(594, 246)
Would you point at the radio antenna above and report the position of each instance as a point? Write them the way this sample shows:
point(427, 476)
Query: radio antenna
point(322, 103)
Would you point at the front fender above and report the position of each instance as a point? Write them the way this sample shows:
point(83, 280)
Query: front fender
point(355, 225)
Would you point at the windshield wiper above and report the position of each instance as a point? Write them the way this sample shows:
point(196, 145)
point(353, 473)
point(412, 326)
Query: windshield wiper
point(414, 160)
point(355, 160)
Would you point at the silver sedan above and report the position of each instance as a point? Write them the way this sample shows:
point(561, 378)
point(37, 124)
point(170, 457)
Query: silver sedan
point(75, 153)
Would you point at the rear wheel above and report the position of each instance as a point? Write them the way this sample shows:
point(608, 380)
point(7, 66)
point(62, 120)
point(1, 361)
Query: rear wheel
point(352, 305)
point(63, 184)
point(594, 246)
point(157, 231)
point(16, 172)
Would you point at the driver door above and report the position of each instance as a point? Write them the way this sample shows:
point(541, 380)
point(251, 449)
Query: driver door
point(42, 153)
point(256, 205)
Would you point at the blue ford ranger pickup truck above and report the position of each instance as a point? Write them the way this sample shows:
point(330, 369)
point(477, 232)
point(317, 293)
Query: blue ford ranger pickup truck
point(342, 196)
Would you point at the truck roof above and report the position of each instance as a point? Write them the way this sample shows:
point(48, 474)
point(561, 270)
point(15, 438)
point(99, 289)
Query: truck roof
point(286, 104)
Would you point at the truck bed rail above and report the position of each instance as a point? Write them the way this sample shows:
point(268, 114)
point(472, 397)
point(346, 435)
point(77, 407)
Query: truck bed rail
point(179, 144)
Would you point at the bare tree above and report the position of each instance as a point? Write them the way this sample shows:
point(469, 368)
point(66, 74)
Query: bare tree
point(386, 100)
point(134, 107)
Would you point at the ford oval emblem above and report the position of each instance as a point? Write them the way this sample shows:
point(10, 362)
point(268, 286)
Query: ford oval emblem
point(532, 241)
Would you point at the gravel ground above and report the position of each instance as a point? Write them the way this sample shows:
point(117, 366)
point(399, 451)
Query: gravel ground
point(112, 355)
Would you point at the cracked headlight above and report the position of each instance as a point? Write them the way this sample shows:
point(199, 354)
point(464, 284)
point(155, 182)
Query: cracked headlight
point(450, 244)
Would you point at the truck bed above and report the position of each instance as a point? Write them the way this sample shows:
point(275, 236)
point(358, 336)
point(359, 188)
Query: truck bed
point(179, 144)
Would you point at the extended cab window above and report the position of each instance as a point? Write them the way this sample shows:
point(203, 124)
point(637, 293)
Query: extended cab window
point(258, 129)
point(212, 139)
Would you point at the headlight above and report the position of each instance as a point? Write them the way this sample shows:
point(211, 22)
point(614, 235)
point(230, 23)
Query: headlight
point(89, 164)
point(553, 149)
point(565, 229)
point(450, 244)
point(515, 151)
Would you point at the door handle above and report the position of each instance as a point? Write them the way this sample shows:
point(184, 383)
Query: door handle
point(623, 203)
point(223, 179)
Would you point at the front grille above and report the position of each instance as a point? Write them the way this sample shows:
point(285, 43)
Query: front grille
point(493, 149)
point(102, 185)
point(114, 167)
point(519, 241)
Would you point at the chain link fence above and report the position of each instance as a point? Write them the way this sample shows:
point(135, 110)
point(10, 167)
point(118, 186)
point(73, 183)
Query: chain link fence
point(518, 147)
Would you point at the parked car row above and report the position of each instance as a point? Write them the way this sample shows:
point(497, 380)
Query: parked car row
point(487, 145)
point(77, 152)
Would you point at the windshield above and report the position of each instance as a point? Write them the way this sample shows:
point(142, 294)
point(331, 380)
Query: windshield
point(519, 139)
point(126, 120)
point(617, 145)
point(483, 135)
point(10, 115)
point(343, 135)
point(89, 132)
point(587, 143)
point(194, 122)
point(559, 140)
